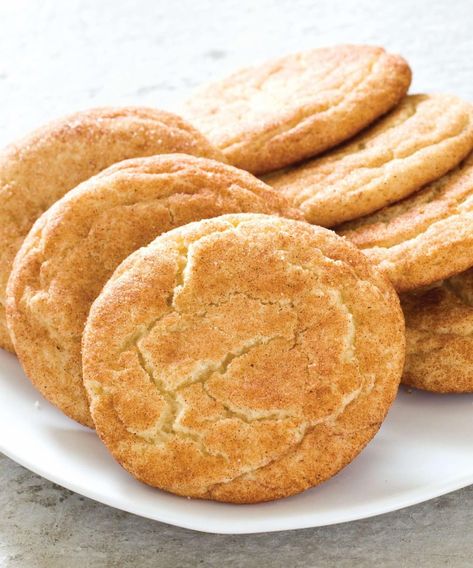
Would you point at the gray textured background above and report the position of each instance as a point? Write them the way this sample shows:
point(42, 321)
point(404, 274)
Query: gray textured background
point(60, 56)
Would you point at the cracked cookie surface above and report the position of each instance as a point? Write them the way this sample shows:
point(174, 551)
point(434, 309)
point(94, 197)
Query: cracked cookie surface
point(76, 245)
point(419, 141)
point(424, 238)
point(39, 169)
point(241, 358)
point(439, 336)
point(278, 113)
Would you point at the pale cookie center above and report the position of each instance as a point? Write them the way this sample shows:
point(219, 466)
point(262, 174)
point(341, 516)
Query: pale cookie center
point(244, 378)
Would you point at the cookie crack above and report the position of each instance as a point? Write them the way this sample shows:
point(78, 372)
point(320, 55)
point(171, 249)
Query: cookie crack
point(403, 246)
point(306, 169)
point(220, 367)
point(364, 185)
point(452, 207)
point(42, 286)
point(62, 255)
point(307, 429)
point(176, 407)
point(169, 425)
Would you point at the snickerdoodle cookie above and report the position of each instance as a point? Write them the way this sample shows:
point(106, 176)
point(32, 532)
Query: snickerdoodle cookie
point(39, 169)
point(419, 141)
point(439, 334)
point(75, 246)
point(425, 238)
point(288, 109)
point(242, 358)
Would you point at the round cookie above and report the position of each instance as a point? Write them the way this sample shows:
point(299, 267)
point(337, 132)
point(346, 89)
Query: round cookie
point(241, 358)
point(39, 169)
point(76, 245)
point(419, 141)
point(288, 109)
point(425, 238)
point(439, 336)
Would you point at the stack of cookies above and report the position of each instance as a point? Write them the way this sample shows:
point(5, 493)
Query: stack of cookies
point(233, 337)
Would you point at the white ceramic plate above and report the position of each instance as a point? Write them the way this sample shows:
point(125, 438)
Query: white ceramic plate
point(424, 449)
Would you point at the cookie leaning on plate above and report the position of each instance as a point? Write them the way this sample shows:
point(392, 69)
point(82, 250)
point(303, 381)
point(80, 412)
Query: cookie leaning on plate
point(39, 169)
point(424, 238)
point(439, 336)
point(241, 358)
point(75, 246)
point(272, 115)
point(419, 141)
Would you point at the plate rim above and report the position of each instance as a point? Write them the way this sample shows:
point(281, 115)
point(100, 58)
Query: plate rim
point(204, 522)
point(413, 497)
